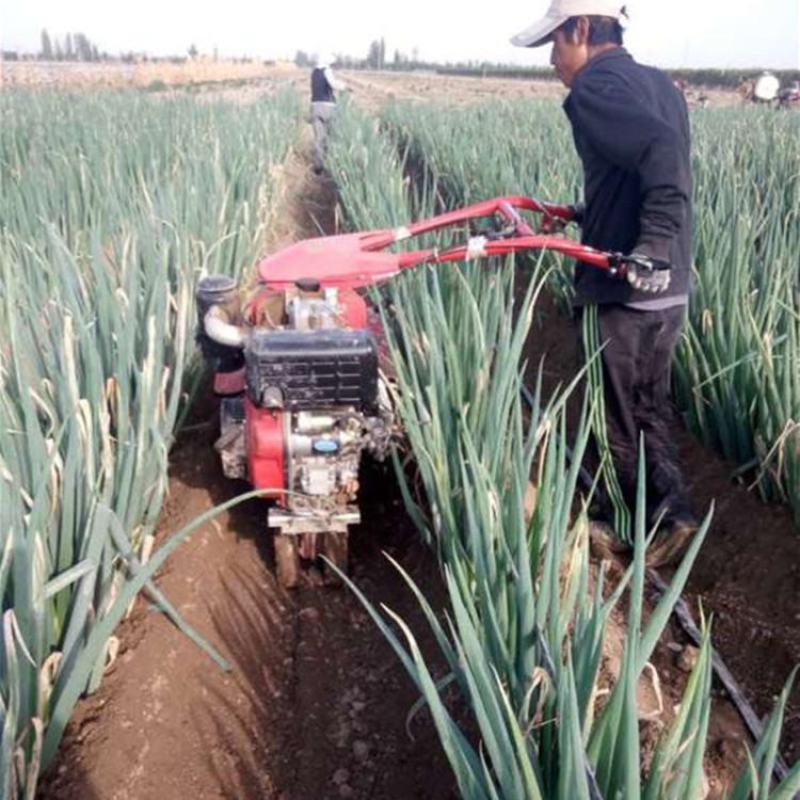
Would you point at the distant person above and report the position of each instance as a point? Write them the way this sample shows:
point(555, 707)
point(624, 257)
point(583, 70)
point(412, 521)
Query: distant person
point(631, 130)
point(324, 86)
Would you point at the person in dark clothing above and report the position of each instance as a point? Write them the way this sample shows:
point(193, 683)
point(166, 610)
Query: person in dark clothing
point(324, 85)
point(631, 131)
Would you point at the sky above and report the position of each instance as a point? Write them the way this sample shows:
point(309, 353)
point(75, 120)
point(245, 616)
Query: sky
point(669, 33)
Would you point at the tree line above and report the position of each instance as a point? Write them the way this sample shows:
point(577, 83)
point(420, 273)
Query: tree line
point(72, 47)
point(376, 59)
point(78, 47)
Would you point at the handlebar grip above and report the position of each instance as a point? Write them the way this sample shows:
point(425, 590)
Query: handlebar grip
point(645, 262)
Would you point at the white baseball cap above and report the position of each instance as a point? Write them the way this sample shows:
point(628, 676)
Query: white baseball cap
point(559, 12)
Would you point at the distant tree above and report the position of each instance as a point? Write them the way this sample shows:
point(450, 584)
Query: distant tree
point(83, 47)
point(58, 53)
point(69, 53)
point(192, 51)
point(374, 55)
point(302, 59)
point(216, 54)
point(47, 46)
point(95, 53)
point(382, 54)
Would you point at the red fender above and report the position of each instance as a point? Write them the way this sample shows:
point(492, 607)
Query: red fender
point(266, 449)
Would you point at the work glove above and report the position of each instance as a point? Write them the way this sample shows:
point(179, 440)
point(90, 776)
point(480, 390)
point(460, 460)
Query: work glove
point(647, 274)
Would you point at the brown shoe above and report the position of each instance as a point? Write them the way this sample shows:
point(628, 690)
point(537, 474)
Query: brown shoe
point(670, 544)
point(604, 543)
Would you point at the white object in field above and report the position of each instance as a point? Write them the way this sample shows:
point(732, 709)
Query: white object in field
point(766, 88)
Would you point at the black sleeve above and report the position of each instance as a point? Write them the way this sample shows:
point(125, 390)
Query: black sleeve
point(628, 134)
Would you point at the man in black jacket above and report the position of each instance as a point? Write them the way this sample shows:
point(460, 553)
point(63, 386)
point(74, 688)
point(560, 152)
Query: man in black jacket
point(631, 131)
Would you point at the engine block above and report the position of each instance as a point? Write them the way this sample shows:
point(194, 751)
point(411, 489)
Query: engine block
point(312, 402)
point(308, 370)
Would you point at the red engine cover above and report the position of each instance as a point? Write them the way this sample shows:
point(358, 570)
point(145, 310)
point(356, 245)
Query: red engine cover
point(355, 309)
point(349, 260)
point(266, 449)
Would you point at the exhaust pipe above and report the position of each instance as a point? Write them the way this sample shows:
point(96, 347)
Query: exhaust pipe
point(219, 330)
point(218, 308)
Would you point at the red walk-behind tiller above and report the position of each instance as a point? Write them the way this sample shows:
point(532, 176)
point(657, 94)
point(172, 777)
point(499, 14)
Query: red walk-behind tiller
point(297, 364)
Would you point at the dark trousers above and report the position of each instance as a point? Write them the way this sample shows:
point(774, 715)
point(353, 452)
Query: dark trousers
point(636, 361)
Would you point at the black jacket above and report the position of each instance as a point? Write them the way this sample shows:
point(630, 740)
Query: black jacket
point(631, 130)
point(321, 90)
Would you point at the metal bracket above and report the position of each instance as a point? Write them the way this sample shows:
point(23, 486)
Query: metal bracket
point(298, 523)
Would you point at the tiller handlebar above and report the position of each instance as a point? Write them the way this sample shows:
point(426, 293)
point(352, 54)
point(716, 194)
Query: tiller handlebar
point(360, 259)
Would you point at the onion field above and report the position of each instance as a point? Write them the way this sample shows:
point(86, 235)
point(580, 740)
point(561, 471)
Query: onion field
point(112, 205)
point(110, 208)
point(736, 375)
point(525, 626)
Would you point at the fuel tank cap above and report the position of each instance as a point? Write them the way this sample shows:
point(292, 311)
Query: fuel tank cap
point(307, 284)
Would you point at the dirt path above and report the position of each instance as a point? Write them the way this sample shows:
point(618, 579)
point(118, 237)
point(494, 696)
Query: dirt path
point(748, 574)
point(316, 702)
